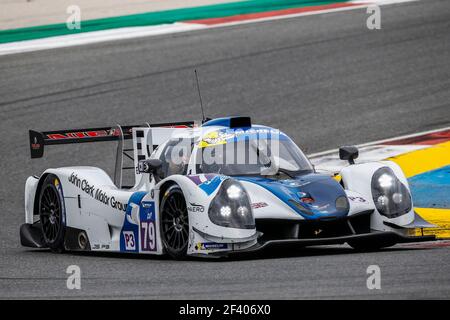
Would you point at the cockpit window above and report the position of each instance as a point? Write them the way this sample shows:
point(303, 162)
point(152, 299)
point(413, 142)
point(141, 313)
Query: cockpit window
point(249, 156)
point(175, 157)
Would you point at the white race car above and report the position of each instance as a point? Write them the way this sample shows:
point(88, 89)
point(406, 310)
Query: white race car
point(223, 187)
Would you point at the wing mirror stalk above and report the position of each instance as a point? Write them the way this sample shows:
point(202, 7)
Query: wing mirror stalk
point(349, 153)
point(151, 166)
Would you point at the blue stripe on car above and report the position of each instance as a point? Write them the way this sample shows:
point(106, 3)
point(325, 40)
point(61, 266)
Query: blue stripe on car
point(323, 189)
point(131, 229)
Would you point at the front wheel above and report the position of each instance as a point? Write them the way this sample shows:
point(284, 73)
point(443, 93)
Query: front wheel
point(52, 214)
point(174, 223)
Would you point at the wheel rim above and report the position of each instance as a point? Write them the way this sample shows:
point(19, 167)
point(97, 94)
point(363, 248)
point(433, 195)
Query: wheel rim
point(50, 212)
point(175, 223)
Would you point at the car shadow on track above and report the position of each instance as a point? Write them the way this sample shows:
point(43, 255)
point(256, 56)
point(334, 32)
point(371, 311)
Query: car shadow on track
point(278, 253)
point(306, 252)
point(106, 255)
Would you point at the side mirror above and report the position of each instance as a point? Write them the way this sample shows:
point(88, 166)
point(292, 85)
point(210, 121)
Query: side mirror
point(149, 166)
point(349, 153)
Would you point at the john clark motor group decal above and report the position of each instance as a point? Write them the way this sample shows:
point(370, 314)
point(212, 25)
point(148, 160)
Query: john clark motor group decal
point(96, 193)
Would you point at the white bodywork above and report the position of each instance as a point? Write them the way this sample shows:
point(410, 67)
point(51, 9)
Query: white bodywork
point(94, 204)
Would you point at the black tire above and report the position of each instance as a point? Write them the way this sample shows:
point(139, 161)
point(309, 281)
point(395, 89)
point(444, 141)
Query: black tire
point(367, 246)
point(174, 223)
point(52, 213)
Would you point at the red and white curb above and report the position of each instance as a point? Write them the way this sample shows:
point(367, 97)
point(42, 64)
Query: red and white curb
point(381, 149)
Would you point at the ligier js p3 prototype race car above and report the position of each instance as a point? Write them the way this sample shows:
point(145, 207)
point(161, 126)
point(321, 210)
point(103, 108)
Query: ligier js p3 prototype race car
point(224, 187)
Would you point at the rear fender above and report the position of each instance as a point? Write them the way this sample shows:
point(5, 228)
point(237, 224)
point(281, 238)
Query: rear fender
point(99, 217)
point(31, 186)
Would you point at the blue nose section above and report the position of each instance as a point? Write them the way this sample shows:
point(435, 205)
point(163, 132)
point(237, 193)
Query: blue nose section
point(313, 196)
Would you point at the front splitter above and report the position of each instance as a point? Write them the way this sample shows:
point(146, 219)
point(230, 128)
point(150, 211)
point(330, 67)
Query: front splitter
point(387, 236)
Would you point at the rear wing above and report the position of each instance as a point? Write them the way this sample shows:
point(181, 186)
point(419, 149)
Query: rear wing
point(40, 139)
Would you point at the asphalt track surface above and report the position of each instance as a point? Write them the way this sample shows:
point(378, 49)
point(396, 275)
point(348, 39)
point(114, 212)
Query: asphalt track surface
point(326, 80)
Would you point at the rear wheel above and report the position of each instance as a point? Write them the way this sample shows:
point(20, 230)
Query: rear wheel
point(51, 213)
point(174, 223)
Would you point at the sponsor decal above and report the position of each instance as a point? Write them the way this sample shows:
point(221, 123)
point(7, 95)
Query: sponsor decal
point(147, 204)
point(196, 207)
point(147, 226)
point(191, 238)
point(197, 179)
point(117, 204)
point(82, 184)
point(292, 183)
point(211, 185)
point(215, 138)
point(258, 205)
point(357, 199)
point(130, 225)
point(98, 246)
point(35, 145)
point(130, 240)
point(57, 184)
point(210, 246)
point(223, 136)
point(84, 134)
point(96, 193)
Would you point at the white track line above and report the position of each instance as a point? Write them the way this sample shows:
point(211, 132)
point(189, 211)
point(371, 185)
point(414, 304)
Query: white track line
point(136, 32)
point(95, 37)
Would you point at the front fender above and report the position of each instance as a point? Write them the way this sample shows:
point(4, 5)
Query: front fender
point(199, 190)
point(358, 177)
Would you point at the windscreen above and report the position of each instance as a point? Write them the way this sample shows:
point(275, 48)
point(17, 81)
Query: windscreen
point(251, 154)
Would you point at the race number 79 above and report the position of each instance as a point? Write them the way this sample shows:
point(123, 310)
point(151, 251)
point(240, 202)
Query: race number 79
point(148, 236)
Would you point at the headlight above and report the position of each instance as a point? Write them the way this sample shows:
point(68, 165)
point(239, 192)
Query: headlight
point(342, 204)
point(391, 197)
point(231, 207)
point(234, 192)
